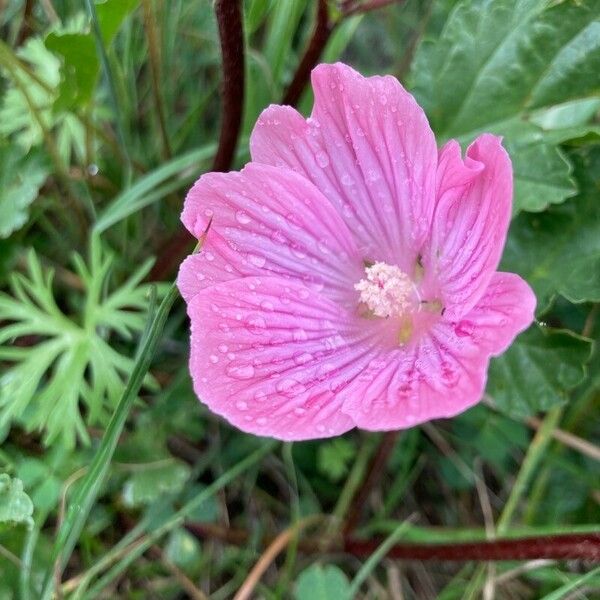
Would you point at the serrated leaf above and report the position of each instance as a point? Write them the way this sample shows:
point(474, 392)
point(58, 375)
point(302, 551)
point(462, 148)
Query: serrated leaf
point(496, 65)
point(319, 582)
point(558, 251)
point(154, 480)
point(537, 371)
point(15, 505)
point(21, 177)
point(70, 362)
point(16, 117)
point(333, 458)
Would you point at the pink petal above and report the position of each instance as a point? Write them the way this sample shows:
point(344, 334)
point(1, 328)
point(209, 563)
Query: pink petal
point(444, 373)
point(369, 148)
point(411, 385)
point(506, 308)
point(270, 355)
point(470, 223)
point(267, 220)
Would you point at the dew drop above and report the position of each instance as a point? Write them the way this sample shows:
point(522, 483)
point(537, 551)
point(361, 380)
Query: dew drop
point(267, 305)
point(299, 334)
point(255, 324)
point(242, 218)
point(257, 260)
point(214, 359)
point(322, 159)
point(241, 405)
point(241, 371)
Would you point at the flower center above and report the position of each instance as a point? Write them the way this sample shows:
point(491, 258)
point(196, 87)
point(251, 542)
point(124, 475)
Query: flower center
point(387, 291)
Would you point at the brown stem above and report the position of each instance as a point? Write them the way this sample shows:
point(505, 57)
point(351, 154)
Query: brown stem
point(323, 29)
point(26, 29)
point(585, 546)
point(374, 473)
point(560, 547)
point(231, 34)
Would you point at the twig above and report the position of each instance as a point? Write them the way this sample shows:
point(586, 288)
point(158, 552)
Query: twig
point(184, 581)
point(583, 546)
point(560, 435)
point(321, 34)
point(270, 554)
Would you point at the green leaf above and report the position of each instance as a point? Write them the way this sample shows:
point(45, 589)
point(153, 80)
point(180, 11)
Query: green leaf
point(15, 505)
point(538, 370)
point(153, 481)
point(558, 251)
point(334, 457)
point(77, 51)
point(496, 65)
point(21, 177)
point(70, 362)
point(319, 582)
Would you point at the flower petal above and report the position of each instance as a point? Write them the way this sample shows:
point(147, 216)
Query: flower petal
point(470, 223)
point(270, 355)
point(267, 220)
point(444, 373)
point(506, 308)
point(415, 384)
point(369, 148)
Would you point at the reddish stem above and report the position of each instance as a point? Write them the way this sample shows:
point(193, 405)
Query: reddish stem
point(585, 546)
point(231, 35)
point(323, 29)
point(559, 547)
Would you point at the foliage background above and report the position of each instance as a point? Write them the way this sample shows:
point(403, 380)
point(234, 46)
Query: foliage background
point(108, 112)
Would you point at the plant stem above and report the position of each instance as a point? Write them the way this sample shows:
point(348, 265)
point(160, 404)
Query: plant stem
point(231, 34)
point(322, 32)
point(584, 546)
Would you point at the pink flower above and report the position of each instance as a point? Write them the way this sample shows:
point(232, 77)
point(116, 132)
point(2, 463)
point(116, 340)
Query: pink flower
point(349, 275)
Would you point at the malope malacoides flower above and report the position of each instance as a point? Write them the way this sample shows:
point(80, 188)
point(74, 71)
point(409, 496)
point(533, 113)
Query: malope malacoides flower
point(348, 278)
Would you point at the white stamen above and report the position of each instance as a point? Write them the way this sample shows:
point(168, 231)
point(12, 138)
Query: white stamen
point(387, 291)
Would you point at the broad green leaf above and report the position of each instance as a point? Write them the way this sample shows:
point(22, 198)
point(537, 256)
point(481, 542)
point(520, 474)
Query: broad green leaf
point(150, 482)
point(538, 370)
point(21, 177)
point(499, 63)
point(319, 582)
point(15, 505)
point(558, 251)
point(77, 51)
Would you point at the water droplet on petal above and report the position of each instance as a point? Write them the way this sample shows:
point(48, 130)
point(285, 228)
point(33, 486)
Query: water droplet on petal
point(299, 334)
point(241, 371)
point(241, 405)
point(255, 324)
point(322, 159)
point(242, 218)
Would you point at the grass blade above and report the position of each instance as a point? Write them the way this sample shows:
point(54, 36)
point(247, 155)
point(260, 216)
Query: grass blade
point(87, 493)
